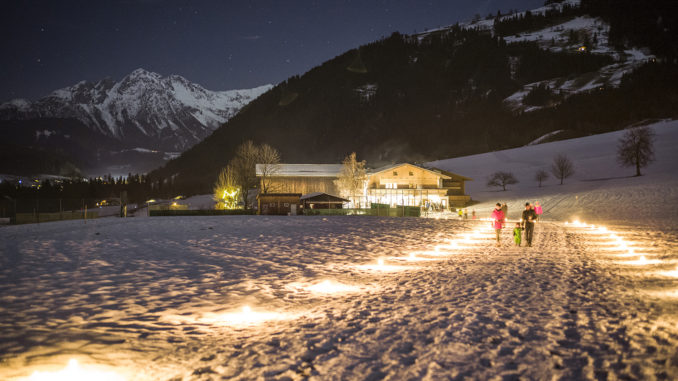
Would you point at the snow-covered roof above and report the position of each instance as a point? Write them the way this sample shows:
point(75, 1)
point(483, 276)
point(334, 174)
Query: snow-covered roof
point(435, 171)
point(303, 170)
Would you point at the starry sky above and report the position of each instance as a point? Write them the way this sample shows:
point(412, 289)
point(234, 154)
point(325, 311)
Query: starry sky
point(221, 45)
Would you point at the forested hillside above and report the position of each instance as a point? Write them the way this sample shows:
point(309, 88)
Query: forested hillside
point(417, 98)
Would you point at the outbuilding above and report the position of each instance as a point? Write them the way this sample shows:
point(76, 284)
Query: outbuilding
point(281, 204)
point(320, 200)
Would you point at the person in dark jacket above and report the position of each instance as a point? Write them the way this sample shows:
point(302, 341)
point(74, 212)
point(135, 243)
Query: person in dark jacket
point(528, 218)
point(504, 208)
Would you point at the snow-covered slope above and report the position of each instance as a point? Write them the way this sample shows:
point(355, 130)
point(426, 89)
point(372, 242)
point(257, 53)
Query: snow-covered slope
point(557, 38)
point(143, 109)
point(599, 190)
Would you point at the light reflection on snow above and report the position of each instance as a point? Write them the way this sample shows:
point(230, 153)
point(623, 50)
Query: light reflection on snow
point(413, 257)
point(74, 372)
point(642, 261)
point(663, 293)
point(331, 287)
point(245, 317)
point(381, 266)
point(669, 273)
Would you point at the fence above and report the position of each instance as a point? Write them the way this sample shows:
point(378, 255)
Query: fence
point(26, 211)
point(381, 210)
point(200, 212)
point(32, 218)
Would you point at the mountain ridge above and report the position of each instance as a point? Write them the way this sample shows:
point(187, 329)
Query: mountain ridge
point(142, 109)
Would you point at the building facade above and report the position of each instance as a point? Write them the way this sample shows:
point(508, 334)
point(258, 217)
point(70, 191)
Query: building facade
point(398, 184)
point(413, 185)
point(299, 178)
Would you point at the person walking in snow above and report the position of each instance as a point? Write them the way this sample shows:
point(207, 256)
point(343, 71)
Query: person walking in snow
point(537, 209)
point(517, 233)
point(465, 214)
point(498, 221)
point(528, 218)
point(504, 208)
point(473, 214)
point(460, 213)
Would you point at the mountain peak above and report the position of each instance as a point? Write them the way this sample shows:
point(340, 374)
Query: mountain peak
point(140, 74)
point(142, 109)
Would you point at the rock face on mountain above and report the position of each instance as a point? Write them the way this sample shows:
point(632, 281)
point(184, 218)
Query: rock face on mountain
point(143, 109)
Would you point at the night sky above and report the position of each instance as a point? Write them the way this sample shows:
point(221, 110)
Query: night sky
point(219, 44)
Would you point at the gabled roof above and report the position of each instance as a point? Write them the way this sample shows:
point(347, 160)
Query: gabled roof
point(303, 170)
point(435, 171)
point(322, 197)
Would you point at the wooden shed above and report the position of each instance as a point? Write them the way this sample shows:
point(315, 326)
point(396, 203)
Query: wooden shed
point(281, 204)
point(319, 200)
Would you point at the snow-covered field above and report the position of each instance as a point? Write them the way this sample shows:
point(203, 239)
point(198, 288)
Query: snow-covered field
point(599, 191)
point(168, 299)
point(362, 298)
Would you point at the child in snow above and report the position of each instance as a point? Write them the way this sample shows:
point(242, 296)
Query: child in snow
point(497, 221)
point(537, 209)
point(517, 234)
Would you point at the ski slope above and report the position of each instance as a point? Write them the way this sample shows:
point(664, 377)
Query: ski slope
point(599, 191)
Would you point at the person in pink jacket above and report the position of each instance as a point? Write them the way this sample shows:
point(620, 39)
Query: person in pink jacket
point(498, 218)
point(537, 209)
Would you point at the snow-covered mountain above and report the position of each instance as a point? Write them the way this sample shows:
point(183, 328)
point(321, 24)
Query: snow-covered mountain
point(143, 109)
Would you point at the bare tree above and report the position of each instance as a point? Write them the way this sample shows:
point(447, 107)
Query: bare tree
point(352, 178)
point(244, 168)
point(562, 167)
point(540, 176)
point(226, 191)
point(501, 179)
point(268, 164)
point(636, 148)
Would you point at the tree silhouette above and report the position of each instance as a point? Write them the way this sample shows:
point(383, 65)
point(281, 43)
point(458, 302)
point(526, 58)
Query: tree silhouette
point(501, 179)
point(562, 167)
point(352, 178)
point(636, 148)
point(540, 176)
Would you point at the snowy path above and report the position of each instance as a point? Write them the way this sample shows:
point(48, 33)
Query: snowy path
point(154, 299)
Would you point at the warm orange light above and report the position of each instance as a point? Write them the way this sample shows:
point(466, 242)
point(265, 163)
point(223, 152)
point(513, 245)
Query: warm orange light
point(74, 372)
